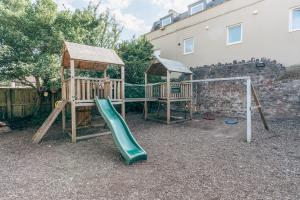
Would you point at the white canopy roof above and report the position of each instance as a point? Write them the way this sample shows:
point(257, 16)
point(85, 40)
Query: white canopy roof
point(160, 66)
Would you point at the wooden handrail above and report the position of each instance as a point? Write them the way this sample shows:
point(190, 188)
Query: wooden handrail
point(91, 79)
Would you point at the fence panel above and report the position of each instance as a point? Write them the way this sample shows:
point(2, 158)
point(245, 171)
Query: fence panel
point(18, 103)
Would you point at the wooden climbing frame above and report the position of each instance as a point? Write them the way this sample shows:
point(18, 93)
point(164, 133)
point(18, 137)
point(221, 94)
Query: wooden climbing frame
point(80, 92)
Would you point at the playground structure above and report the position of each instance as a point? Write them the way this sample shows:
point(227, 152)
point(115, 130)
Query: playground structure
point(168, 92)
point(84, 93)
point(79, 91)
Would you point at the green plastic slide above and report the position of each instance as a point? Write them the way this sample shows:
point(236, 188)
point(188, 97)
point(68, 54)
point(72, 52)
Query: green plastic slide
point(126, 143)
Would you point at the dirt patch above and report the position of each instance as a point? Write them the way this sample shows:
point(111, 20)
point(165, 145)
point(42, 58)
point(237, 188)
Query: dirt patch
point(193, 160)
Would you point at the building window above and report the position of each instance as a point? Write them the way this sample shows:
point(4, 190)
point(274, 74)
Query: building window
point(166, 21)
point(295, 19)
point(188, 46)
point(234, 34)
point(197, 8)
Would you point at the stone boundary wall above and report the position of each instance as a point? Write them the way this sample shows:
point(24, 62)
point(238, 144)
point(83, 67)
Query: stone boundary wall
point(279, 97)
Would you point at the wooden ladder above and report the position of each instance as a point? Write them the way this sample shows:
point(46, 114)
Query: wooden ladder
point(259, 107)
point(47, 124)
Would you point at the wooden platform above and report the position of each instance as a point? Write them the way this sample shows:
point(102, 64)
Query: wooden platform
point(91, 103)
point(131, 100)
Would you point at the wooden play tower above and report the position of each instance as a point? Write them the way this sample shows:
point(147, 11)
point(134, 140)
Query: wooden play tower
point(79, 91)
point(168, 92)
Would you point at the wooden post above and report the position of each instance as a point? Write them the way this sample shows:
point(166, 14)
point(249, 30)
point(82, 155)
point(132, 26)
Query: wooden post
point(168, 97)
point(73, 98)
point(259, 108)
point(146, 103)
point(191, 96)
point(63, 95)
point(9, 104)
point(249, 133)
point(123, 91)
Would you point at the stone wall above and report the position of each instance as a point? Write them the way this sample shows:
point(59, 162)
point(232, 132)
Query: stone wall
point(280, 97)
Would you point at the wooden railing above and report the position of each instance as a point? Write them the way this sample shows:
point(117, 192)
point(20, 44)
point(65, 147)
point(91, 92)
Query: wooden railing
point(113, 89)
point(178, 90)
point(88, 88)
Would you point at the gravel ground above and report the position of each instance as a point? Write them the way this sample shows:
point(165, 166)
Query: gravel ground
point(195, 160)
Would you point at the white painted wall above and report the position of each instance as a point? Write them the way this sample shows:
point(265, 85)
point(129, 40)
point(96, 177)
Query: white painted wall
point(265, 34)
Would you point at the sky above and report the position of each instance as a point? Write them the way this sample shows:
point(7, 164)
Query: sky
point(136, 16)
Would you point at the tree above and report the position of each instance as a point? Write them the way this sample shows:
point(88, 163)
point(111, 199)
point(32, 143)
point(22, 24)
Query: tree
point(137, 55)
point(32, 34)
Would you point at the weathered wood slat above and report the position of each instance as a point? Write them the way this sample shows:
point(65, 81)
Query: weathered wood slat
point(115, 89)
point(78, 88)
point(110, 89)
point(88, 90)
point(119, 90)
point(83, 82)
point(97, 89)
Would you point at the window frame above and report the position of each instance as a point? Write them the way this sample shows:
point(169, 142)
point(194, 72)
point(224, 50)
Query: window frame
point(184, 46)
point(196, 5)
point(242, 34)
point(291, 20)
point(168, 17)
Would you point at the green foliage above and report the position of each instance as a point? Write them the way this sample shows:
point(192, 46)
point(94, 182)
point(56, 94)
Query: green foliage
point(32, 34)
point(136, 55)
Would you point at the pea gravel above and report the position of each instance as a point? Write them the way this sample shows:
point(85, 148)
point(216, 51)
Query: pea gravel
point(194, 160)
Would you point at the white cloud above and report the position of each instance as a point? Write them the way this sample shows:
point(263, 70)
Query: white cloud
point(129, 21)
point(116, 7)
point(112, 4)
point(178, 5)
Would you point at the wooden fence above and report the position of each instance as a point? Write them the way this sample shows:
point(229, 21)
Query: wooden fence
point(16, 103)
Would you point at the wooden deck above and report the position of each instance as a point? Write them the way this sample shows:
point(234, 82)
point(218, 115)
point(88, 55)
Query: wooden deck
point(132, 100)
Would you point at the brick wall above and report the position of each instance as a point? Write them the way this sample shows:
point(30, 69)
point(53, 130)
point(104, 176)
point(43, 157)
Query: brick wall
point(280, 97)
